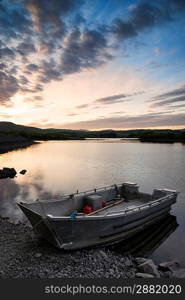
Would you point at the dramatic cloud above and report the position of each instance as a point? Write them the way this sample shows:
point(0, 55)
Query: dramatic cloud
point(82, 106)
point(25, 49)
point(83, 50)
point(8, 87)
point(48, 71)
point(73, 114)
point(44, 41)
point(112, 99)
point(48, 15)
point(32, 67)
point(23, 80)
point(14, 22)
point(178, 106)
point(146, 16)
point(168, 101)
point(142, 17)
point(140, 121)
point(2, 66)
point(6, 52)
point(173, 93)
point(33, 89)
point(5, 116)
point(168, 98)
point(34, 29)
point(116, 98)
point(117, 113)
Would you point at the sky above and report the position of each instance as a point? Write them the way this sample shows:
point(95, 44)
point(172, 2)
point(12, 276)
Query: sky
point(93, 64)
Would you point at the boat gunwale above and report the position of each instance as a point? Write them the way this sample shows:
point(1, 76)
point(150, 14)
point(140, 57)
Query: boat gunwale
point(114, 214)
point(80, 193)
point(108, 214)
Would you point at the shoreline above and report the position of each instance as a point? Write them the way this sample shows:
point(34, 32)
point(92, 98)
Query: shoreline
point(23, 255)
point(11, 146)
point(7, 147)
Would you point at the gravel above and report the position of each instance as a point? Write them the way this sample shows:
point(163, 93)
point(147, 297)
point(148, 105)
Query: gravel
point(23, 255)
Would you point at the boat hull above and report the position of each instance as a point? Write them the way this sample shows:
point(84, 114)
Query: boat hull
point(83, 232)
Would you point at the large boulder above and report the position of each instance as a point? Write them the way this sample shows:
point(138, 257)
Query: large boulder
point(7, 172)
point(149, 267)
point(172, 268)
point(169, 266)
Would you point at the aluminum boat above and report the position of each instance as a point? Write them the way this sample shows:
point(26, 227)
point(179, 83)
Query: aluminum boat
point(97, 217)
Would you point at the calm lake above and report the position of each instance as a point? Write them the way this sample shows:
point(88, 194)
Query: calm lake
point(58, 167)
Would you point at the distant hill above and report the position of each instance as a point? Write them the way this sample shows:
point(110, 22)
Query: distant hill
point(11, 139)
point(8, 138)
point(29, 132)
point(10, 127)
point(63, 134)
point(34, 133)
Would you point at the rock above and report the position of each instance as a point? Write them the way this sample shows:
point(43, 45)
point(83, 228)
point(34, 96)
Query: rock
point(140, 260)
point(144, 275)
point(166, 274)
point(7, 173)
point(169, 266)
point(128, 262)
point(149, 267)
point(103, 254)
point(180, 273)
point(38, 255)
point(111, 271)
point(23, 171)
point(1, 273)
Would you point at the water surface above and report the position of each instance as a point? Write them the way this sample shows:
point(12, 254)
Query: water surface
point(59, 167)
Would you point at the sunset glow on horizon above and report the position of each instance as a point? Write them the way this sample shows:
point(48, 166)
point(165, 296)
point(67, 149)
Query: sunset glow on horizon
point(93, 64)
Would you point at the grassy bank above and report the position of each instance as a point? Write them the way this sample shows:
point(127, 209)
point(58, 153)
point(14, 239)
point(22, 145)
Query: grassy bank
point(33, 133)
point(9, 142)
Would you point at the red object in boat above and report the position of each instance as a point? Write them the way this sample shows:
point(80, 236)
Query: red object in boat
point(104, 204)
point(87, 209)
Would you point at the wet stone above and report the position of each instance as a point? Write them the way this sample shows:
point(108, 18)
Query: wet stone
point(169, 266)
point(144, 275)
point(149, 267)
point(38, 255)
